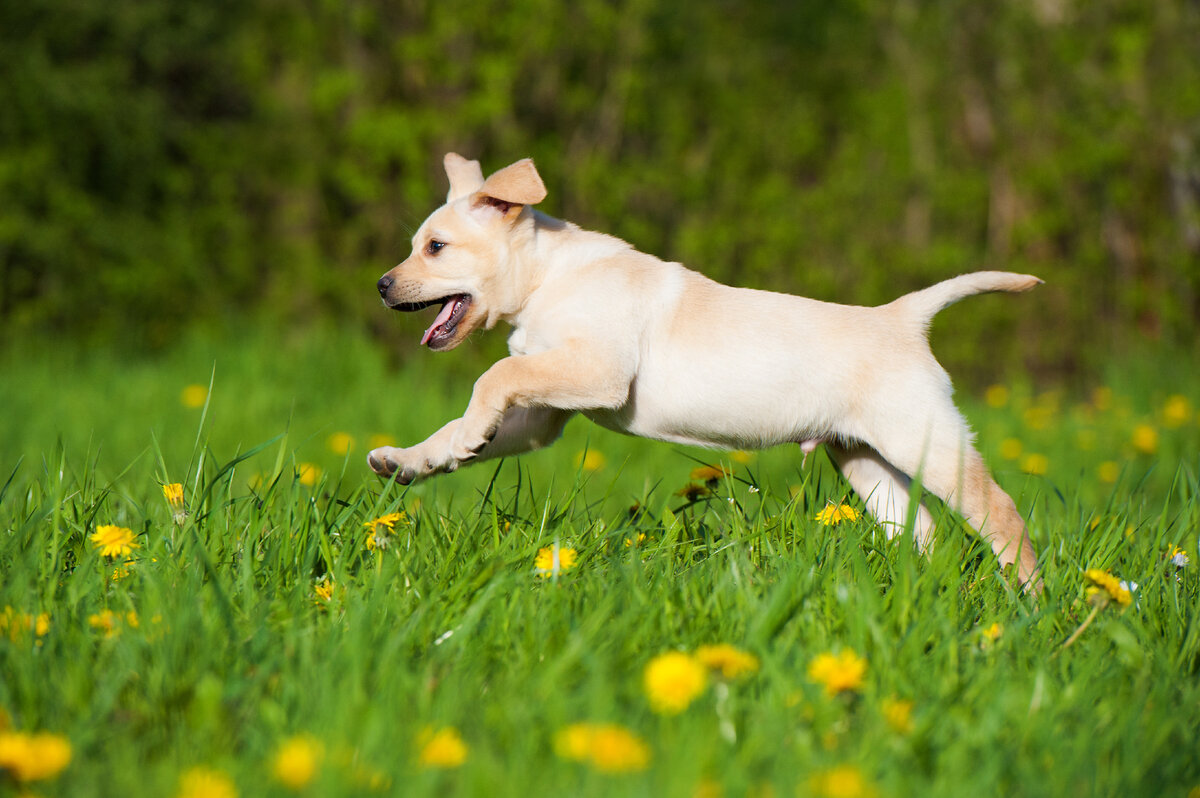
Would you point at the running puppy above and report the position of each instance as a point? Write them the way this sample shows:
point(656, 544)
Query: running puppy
point(653, 349)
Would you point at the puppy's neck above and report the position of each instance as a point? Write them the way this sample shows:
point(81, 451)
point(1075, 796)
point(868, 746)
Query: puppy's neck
point(549, 246)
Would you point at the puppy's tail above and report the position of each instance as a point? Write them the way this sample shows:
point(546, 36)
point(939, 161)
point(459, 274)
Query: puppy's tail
point(922, 306)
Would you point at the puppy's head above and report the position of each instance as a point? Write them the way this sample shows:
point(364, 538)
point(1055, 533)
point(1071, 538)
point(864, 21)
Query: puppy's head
point(463, 254)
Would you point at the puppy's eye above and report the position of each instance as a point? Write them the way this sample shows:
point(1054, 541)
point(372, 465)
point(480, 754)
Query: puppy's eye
point(434, 246)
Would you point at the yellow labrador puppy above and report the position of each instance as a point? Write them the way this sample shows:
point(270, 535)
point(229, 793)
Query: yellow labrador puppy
point(653, 349)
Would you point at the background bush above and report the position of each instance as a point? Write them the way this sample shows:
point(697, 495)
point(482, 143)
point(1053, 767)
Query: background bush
point(165, 164)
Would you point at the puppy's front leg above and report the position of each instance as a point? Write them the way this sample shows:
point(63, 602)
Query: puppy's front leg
point(521, 430)
point(569, 378)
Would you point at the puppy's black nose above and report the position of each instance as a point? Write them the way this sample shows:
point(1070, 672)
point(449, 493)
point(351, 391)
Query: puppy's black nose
point(385, 282)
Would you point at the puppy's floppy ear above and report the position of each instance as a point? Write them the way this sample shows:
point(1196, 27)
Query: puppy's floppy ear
point(511, 189)
point(466, 177)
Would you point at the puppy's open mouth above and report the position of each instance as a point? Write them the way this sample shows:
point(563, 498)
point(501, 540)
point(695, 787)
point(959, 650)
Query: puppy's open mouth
point(444, 326)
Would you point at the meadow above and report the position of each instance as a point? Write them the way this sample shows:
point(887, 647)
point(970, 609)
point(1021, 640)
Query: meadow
point(607, 617)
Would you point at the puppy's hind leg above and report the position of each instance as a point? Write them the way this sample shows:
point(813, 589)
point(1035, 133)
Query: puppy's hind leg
point(950, 468)
point(886, 491)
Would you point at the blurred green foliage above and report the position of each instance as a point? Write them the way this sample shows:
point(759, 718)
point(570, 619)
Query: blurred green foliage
point(168, 163)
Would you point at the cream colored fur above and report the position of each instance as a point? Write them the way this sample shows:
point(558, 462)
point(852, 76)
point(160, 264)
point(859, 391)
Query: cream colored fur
point(653, 349)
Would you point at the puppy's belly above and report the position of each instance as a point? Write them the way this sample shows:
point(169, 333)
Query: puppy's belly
point(721, 418)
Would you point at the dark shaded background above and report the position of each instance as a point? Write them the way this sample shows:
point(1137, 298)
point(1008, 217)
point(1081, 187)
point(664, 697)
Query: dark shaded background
point(173, 165)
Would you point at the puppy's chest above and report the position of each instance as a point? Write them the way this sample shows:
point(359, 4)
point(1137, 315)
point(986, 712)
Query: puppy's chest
point(523, 341)
point(517, 341)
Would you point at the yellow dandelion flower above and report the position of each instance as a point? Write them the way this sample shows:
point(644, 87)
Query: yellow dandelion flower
point(443, 748)
point(204, 782)
point(109, 622)
point(340, 443)
point(1103, 587)
point(114, 541)
point(296, 761)
point(105, 621)
point(1010, 448)
point(14, 624)
point(1145, 439)
point(34, 757)
point(1176, 411)
point(194, 396)
point(639, 540)
point(553, 559)
point(607, 747)
point(324, 590)
point(308, 474)
point(897, 713)
point(996, 395)
point(591, 460)
point(390, 520)
point(672, 681)
point(709, 473)
point(729, 660)
point(843, 781)
point(617, 750)
point(740, 456)
point(574, 742)
point(838, 672)
point(173, 493)
point(1035, 464)
point(834, 514)
point(1108, 471)
point(1178, 557)
point(992, 633)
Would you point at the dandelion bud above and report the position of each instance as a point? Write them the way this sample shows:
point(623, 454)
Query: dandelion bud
point(173, 493)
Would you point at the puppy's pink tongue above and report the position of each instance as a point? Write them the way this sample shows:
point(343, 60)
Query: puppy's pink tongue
point(442, 317)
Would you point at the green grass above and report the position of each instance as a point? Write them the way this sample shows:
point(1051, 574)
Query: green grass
point(233, 652)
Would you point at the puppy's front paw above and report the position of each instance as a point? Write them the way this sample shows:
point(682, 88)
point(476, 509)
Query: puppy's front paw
point(387, 461)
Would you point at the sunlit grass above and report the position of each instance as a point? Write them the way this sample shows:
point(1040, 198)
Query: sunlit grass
point(222, 597)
